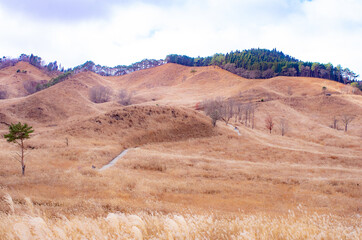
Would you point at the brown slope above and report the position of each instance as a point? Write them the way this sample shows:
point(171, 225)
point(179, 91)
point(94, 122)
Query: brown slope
point(99, 138)
point(65, 101)
point(69, 100)
point(181, 85)
point(13, 82)
point(137, 125)
point(174, 84)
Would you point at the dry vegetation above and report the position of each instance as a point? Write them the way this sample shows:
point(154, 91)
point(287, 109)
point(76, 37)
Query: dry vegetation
point(142, 225)
point(182, 178)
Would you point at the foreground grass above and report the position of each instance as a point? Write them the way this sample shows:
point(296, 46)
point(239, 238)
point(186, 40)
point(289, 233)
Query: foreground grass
point(32, 224)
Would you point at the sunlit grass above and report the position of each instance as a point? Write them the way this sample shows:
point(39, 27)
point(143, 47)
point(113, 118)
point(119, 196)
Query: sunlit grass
point(32, 224)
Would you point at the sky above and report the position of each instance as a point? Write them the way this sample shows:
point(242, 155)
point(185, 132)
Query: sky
point(121, 32)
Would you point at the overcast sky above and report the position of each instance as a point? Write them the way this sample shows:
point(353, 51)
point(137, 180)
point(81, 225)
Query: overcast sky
point(121, 32)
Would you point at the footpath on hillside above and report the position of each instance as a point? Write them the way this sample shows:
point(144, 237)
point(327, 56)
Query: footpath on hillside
point(114, 161)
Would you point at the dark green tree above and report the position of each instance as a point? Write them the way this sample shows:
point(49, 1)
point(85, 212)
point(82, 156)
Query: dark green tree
point(17, 134)
point(264, 63)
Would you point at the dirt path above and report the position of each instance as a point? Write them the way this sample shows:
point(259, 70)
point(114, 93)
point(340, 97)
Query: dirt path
point(235, 129)
point(294, 145)
point(111, 163)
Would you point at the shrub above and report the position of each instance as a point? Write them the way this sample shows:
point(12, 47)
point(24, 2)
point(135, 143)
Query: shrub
point(125, 97)
point(53, 81)
point(30, 86)
point(3, 94)
point(324, 89)
point(100, 94)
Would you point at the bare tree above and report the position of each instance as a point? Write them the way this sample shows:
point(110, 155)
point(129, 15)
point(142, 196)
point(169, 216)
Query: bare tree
point(238, 112)
point(125, 97)
point(227, 110)
point(253, 107)
point(213, 109)
point(249, 114)
point(269, 124)
point(335, 123)
point(247, 110)
point(283, 126)
point(346, 119)
point(100, 94)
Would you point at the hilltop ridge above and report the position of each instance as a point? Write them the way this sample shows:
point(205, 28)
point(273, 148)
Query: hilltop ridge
point(253, 63)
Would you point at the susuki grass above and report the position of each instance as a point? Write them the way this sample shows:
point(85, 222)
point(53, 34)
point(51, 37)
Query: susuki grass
point(153, 225)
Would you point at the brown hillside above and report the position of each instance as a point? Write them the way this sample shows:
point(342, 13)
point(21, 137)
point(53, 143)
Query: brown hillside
point(177, 162)
point(138, 125)
point(13, 81)
point(62, 102)
point(299, 99)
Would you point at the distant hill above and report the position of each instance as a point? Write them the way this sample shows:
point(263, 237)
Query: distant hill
point(53, 67)
point(264, 63)
point(252, 64)
point(118, 70)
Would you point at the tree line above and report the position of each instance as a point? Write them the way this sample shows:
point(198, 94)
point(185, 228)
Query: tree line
point(264, 63)
point(33, 60)
point(253, 63)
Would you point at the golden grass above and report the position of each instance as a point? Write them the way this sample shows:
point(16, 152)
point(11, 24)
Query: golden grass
point(298, 224)
point(195, 174)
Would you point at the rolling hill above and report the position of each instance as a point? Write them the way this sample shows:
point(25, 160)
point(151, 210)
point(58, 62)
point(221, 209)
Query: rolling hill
point(178, 162)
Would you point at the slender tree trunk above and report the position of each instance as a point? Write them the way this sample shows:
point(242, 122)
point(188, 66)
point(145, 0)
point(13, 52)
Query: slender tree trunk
point(22, 157)
point(253, 121)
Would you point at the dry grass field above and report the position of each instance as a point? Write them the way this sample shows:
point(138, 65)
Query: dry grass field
point(182, 178)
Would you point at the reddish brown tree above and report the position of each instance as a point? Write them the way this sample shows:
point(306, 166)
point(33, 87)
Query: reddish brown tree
point(269, 124)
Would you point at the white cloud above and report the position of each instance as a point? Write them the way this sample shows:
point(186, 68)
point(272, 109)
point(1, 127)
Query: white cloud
point(318, 30)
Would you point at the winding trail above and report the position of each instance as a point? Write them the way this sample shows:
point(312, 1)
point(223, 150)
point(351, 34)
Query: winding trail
point(111, 163)
point(235, 129)
point(313, 148)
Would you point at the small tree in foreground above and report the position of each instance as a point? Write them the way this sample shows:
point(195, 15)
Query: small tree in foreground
point(17, 134)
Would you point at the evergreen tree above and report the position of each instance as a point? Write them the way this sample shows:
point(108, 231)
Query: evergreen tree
point(263, 63)
point(17, 134)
